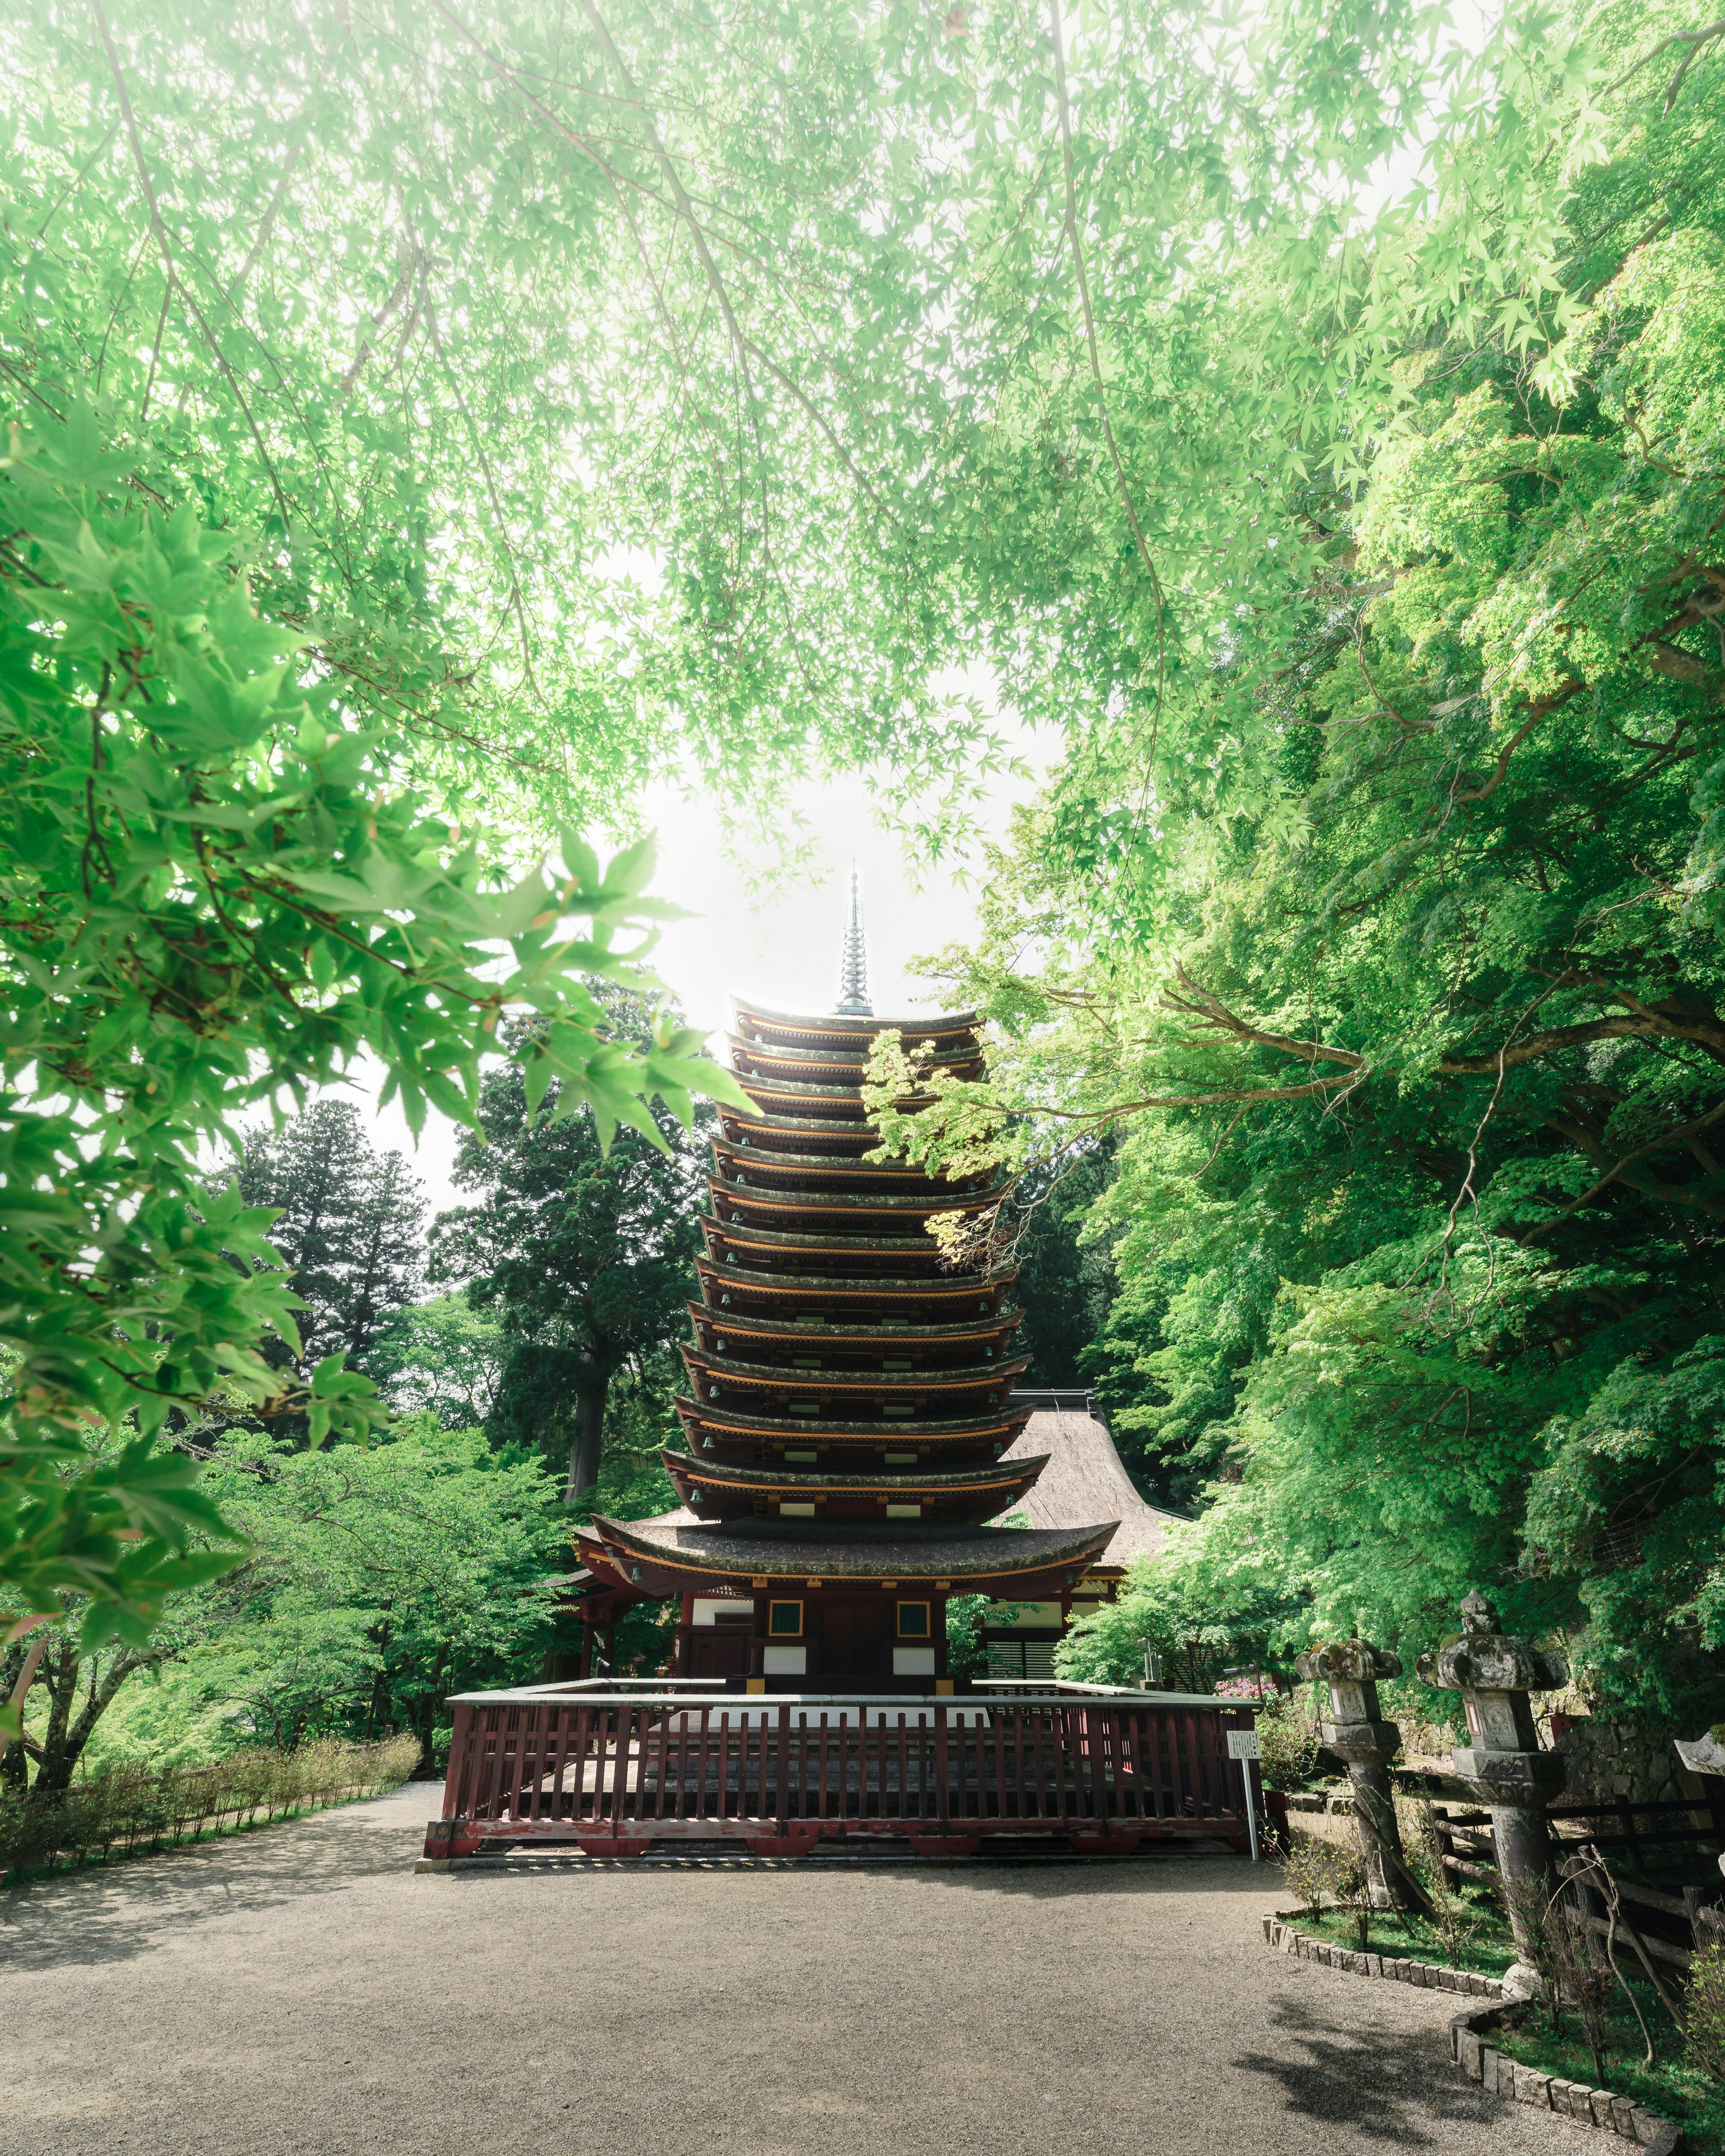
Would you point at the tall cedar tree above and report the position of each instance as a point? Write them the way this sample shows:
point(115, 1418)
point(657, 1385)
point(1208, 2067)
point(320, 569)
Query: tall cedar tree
point(349, 1228)
point(1066, 1285)
point(585, 1257)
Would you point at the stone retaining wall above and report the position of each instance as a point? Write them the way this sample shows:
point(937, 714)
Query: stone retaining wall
point(1624, 1761)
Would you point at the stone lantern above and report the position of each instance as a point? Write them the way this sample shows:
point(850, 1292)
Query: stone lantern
point(1503, 1765)
point(1357, 1731)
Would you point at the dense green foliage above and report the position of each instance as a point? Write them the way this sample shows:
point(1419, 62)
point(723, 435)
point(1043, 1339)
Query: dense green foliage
point(1407, 1001)
point(461, 307)
point(376, 1580)
point(218, 889)
point(422, 410)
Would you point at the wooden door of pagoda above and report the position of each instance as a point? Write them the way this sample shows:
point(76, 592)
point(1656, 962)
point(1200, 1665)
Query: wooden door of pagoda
point(855, 1640)
point(718, 1650)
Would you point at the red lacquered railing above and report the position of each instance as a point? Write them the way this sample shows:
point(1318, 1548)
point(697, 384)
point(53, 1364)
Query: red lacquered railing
point(617, 1769)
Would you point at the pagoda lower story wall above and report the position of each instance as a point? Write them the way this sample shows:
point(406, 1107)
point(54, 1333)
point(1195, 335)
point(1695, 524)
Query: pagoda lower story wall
point(880, 1641)
point(852, 1639)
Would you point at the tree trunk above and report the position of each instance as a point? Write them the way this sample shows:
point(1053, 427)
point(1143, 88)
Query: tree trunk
point(18, 1673)
point(586, 1438)
point(63, 1745)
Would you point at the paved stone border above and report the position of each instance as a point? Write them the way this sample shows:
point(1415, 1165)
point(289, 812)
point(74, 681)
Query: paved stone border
point(1502, 2075)
point(1430, 1975)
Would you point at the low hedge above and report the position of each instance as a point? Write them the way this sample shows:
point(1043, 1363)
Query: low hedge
point(128, 1811)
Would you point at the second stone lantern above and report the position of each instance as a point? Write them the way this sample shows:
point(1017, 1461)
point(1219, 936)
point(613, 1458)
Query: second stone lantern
point(1503, 1765)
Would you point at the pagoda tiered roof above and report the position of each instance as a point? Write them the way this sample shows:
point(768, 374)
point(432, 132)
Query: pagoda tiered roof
point(824, 1136)
point(744, 1164)
point(790, 1026)
point(769, 1249)
point(867, 1212)
point(851, 1410)
point(837, 1065)
point(862, 1394)
point(717, 1330)
point(742, 1432)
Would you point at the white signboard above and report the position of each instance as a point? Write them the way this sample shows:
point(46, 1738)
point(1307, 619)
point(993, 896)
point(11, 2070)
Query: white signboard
point(1243, 1744)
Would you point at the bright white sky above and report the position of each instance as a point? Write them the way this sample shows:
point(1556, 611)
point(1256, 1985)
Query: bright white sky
point(786, 953)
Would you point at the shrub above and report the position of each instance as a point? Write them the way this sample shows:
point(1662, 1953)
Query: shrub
point(1452, 1915)
point(1704, 2007)
point(127, 1808)
point(1318, 1870)
point(1288, 1741)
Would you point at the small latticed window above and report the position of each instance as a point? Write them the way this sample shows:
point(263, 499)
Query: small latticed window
point(784, 1620)
point(913, 1621)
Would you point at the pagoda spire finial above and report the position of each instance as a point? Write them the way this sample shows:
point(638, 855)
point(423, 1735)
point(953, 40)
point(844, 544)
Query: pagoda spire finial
point(854, 962)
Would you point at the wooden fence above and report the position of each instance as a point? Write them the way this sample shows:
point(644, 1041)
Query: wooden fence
point(616, 1771)
point(1669, 1928)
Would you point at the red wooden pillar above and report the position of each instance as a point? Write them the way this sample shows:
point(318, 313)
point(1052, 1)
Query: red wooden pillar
point(683, 1653)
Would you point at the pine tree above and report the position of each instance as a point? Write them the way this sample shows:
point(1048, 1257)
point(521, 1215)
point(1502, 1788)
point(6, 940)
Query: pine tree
point(349, 1230)
point(586, 1259)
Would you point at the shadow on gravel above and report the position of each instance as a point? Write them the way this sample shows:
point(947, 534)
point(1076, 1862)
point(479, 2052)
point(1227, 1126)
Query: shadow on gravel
point(1380, 2081)
point(1176, 1873)
point(112, 1913)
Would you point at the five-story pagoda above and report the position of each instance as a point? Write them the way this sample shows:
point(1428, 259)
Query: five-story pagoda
point(850, 1398)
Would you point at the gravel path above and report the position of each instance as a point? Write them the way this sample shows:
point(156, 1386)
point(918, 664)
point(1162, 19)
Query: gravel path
point(302, 1989)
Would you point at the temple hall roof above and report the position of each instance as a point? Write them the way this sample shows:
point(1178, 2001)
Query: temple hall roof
point(1084, 1480)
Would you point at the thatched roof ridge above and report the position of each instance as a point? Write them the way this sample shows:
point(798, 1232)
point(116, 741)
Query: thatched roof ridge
point(1084, 1480)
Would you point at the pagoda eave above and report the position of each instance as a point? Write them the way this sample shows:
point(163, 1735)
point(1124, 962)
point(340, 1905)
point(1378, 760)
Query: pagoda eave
point(843, 1059)
point(785, 1243)
point(776, 1376)
point(757, 1160)
point(996, 1327)
point(841, 1024)
point(1007, 1478)
point(832, 1288)
point(843, 1129)
point(796, 1094)
point(861, 1205)
point(666, 1559)
point(804, 1431)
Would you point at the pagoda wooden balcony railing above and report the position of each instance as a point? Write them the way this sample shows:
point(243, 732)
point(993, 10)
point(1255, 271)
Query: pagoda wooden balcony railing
point(616, 1769)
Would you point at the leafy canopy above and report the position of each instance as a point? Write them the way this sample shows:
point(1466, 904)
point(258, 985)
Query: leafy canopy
point(217, 889)
point(1386, 952)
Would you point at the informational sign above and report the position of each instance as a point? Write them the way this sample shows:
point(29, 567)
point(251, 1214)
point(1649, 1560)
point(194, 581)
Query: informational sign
point(1243, 1744)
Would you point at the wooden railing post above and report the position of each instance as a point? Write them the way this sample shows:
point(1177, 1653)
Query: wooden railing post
point(458, 1775)
point(785, 1766)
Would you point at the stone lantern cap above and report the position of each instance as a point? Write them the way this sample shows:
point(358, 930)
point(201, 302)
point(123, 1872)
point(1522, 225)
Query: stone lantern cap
point(1704, 1755)
point(1485, 1660)
point(1347, 1661)
point(1353, 1728)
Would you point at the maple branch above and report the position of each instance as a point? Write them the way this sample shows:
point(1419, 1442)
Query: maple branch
point(1664, 1140)
point(1096, 363)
